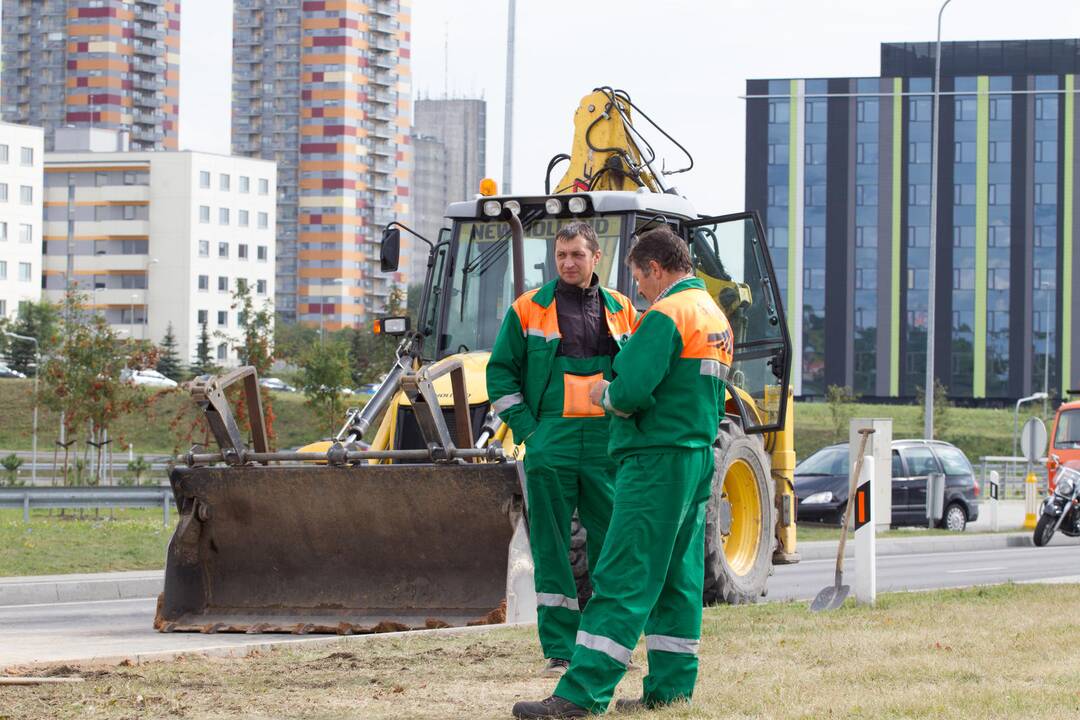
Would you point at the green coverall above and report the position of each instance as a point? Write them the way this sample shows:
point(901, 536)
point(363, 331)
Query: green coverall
point(567, 464)
point(666, 397)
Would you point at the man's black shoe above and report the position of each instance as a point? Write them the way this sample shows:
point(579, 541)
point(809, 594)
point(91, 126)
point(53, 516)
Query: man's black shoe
point(551, 708)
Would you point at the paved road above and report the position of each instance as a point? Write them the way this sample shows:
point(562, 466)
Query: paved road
point(120, 628)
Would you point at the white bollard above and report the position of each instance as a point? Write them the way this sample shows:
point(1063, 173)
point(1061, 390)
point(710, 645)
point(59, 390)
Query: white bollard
point(865, 536)
point(993, 489)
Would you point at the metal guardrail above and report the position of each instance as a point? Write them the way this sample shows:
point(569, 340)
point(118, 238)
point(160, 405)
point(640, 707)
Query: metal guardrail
point(87, 497)
point(1012, 471)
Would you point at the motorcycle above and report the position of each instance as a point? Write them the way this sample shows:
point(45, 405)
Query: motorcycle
point(1060, 511)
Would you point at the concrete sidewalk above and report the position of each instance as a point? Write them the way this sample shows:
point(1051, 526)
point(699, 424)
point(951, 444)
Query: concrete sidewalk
point(36, 589)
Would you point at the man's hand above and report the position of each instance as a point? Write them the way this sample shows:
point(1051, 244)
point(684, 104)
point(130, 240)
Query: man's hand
point(596, 392)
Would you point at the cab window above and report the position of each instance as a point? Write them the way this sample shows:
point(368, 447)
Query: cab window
point(1067, 436)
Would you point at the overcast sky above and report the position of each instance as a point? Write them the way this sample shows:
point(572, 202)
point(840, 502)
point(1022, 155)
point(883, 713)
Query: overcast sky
point(685, 63)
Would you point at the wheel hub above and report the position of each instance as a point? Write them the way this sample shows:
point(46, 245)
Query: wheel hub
point(723, 516)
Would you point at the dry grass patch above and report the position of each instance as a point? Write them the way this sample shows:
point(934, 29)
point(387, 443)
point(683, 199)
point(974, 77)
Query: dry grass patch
point(978, 653)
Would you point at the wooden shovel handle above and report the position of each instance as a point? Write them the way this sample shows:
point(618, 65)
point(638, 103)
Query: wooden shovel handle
point(849, 513)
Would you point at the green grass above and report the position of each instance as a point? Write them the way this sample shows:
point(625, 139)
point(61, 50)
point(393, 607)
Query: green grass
point(158, 425)
point(979, 653)
point(810, 532)
point(131, 539)
point(976, 431)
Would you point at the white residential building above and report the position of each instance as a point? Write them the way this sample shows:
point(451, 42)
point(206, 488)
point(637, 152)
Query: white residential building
point(155, 238)
point(20, 215)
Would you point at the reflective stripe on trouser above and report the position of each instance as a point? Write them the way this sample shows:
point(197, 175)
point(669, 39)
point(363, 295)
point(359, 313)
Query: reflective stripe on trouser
point(648, 579)
point(566, 467)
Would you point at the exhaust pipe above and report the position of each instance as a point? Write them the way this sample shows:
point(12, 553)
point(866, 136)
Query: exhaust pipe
point(517, 247)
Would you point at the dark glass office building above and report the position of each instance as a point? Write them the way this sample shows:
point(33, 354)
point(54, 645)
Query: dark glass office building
point(840, 169)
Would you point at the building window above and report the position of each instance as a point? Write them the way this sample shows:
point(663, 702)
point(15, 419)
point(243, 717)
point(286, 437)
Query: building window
point(204, 248)
point(1045, 150)
point(866, 236)
point(1001, 151)
point(3, 154)
point(242, 218)
point(3, 192)
point(26, 233)
point(24, 272)
point(779, 111)
point(866, 111)
point(223, 249)
point(1046, 108)
point(260, 287)
point(1045, 193)
point(204, 213)
point(26, 195)
point(26, 156)
point(222, 283)
point(260, 253)
point(964, 194)
point(222, 351)
point(816, 111)
point(3, 269)
point(225, 182)
point(3, 232)
point(223, 216)
point(203, 316)
point(204, 179)
point(815, 153)
point(964, 236)
point(204, 282)
point(242, 251)
point(264, 186)
point(918, 153)
point(264, 220)
point(778, 154)
point(222, 318)
point(1000, 108)
point(245, 184)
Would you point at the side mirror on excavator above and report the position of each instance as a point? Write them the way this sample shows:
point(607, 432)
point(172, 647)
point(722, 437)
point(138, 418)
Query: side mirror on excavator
point(390, 250)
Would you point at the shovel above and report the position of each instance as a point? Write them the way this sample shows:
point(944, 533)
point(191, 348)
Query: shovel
point(833, 596)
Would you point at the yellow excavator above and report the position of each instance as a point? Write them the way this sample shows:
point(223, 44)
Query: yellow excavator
point(424, 525)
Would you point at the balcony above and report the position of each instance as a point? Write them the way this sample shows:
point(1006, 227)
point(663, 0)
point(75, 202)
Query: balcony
point(149, 32)
point(149, 50)
point(142, 118)
point(148, 84)
point(150, 16)
point(150, 101)
point(145, 66)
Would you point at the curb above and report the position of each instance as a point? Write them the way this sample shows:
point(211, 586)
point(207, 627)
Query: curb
point(47, 589)
point(826, 549)
point(34, 590)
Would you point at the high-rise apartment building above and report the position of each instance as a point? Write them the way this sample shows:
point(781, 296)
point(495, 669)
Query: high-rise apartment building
point(154, 238)
point(450, 155)
point(322, 87)
point(841, 170)
point(101, 63)
point(20, 216)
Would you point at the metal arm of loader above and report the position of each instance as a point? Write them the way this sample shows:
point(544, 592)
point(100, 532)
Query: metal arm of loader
point(208, 392)
point(420, 389)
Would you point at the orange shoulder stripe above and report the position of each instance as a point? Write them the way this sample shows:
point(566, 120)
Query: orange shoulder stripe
point(702, 325)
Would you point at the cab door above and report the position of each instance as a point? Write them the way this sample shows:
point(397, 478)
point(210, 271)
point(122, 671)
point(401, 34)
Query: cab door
point(731, 257)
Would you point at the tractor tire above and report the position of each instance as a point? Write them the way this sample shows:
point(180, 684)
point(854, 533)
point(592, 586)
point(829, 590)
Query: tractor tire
point(579, 562)
point(739, 520)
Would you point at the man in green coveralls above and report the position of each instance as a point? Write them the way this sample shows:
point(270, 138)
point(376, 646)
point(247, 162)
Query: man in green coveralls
point(554, 344)
point(666, 399)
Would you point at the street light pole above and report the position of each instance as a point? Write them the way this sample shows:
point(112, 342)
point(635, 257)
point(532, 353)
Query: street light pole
point(928, 391)
point(37, 372)
point(1046, 348)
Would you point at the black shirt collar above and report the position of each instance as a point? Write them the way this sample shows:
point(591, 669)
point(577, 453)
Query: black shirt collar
point(566, 288)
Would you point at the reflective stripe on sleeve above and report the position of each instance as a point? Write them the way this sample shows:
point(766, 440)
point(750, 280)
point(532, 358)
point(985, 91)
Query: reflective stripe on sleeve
point(609, 647)
point(556, 600)
point(714, 368)
point(506, 402)
point(537, 332)
point(606, 402)
point(669, 643)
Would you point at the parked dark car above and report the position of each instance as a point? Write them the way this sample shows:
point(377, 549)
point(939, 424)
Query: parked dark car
point(821, 484)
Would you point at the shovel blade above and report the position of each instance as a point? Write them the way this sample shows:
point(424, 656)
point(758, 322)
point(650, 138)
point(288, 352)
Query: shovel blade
point(830, 598)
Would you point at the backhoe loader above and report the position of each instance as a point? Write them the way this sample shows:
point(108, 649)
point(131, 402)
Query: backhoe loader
point(409, 516)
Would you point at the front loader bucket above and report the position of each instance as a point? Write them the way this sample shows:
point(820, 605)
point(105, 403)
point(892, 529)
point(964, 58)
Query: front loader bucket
point(322, 549)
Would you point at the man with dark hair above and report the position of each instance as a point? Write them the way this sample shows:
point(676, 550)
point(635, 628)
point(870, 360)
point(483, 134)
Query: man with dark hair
point(666, 400)
point(555, 342)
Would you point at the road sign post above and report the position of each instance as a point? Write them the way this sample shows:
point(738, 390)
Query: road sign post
point(1033, 445)
point(865, 536)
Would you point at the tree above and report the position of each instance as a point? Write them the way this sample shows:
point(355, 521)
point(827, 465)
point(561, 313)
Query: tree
point(204, 362)
point(37, 320)
point(169, 361)
point(292, 340)
point(324, 373)
point(841, 401)
point(82, 377)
